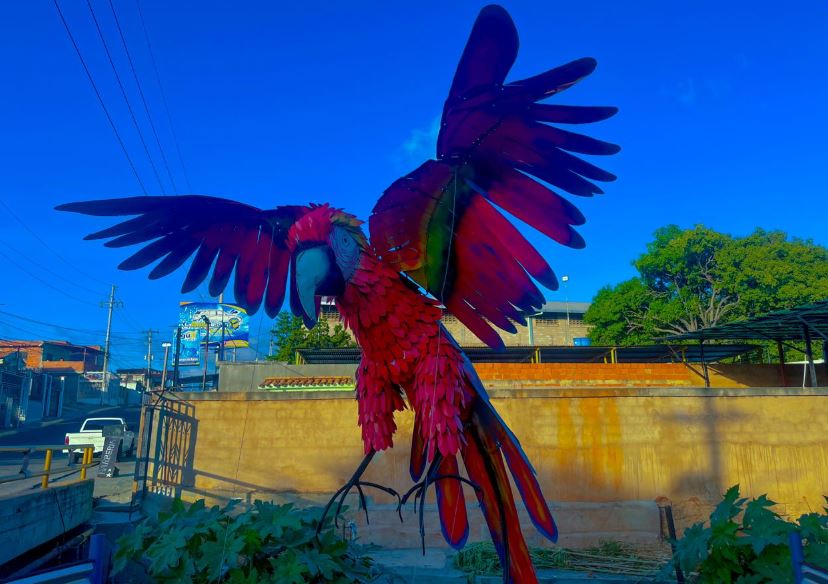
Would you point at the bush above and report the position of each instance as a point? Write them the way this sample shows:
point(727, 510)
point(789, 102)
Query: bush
point(265, 544)
point(747, 543)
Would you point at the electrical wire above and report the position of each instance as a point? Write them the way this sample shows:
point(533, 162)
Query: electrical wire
point(47, 246)
point(52, 272)
point(163, 96)
point(143, 98)
point(100, 98)
point(124, 94)
point(44, 282)
point(72, 329)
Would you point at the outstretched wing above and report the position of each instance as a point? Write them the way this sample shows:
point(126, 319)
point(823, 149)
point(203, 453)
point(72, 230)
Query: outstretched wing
point(224, 235)
point(441, 224)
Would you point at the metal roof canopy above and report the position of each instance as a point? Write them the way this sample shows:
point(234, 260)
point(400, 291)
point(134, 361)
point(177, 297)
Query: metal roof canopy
point(561, 354)
point(799, 323)
point(782, 325)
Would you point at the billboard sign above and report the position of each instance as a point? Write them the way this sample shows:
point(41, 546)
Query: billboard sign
point(229, 324)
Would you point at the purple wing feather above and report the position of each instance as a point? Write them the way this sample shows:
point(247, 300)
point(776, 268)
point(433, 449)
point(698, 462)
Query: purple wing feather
point(220, 235)
point(496, 145)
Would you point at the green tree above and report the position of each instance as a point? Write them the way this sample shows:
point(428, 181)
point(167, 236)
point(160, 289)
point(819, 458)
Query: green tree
point(288, 334)
point(694, 278)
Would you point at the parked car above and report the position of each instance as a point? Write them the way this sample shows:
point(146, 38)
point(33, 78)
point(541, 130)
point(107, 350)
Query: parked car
point(91, 432)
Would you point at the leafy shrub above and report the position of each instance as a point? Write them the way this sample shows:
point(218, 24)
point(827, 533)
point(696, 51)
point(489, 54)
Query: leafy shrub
point(747, 543)
point(265, 544)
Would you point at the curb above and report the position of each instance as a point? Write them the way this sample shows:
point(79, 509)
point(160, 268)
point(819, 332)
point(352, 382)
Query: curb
point(46, 424)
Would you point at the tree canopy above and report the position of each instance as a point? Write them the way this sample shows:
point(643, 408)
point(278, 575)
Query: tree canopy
point(288, 334)
point(693, 278)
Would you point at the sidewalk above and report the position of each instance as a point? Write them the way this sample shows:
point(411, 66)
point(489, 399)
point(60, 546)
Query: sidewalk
point(73, 412)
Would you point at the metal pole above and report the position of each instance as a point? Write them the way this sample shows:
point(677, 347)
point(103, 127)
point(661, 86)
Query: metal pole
point(825, 359)
point(206, 352)
point(780, 348)
point(809, 355)
point(565, 279)
point(148, 378)
point(105, 375)
point(177, 356)
point(164, 369)
point(704, 364)
point(221, 347)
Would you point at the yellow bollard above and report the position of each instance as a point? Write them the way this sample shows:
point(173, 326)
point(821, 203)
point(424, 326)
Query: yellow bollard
point(47, 466)
point(84, 462)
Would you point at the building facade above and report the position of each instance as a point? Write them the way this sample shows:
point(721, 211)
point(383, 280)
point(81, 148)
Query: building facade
point(54, 356)
point(556, 324)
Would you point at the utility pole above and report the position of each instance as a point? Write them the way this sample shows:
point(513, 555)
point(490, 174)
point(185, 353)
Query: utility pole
point(220, 349)
point(176, 357)
point(110, 304)
point(148, 378)
point(206, 351)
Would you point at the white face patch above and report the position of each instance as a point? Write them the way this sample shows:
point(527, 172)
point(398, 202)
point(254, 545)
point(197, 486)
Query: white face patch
point(346, 251)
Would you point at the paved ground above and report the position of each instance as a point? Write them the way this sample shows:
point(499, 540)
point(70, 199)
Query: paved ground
point(53, 432)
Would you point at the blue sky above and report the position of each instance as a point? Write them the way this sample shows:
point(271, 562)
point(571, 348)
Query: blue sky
point(722, 122)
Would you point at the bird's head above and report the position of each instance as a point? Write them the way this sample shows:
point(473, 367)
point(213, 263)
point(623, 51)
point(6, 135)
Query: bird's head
point(326, 246)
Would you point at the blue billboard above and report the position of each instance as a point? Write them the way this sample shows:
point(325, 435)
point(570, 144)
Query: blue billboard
point(229, 325)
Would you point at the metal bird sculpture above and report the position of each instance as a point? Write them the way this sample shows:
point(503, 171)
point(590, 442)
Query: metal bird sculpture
point(437, 240)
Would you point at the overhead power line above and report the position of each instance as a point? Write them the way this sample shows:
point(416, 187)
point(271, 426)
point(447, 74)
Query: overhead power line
point(143, 98)
point(68, 328)
point(124, 94)
point(100, 98)
point(49, 270)
point(42, 281)
point(163, 96)
point(46, 245)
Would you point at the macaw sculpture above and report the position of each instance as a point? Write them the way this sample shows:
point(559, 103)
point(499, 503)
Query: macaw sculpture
point(438, 241)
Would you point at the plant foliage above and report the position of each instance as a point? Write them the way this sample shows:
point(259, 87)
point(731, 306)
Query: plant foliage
point(692, 278)
point(266, 543)
point(746, 542)
point(289, 334)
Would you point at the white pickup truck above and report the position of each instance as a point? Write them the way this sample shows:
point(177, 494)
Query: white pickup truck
point(91, 432)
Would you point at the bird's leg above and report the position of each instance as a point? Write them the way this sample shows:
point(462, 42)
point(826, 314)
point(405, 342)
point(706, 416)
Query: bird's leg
point(419, 491)
point(354, 482)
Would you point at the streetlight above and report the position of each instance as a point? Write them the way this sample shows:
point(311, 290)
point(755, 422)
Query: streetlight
point(206, 351)
point(565, 279)
point(164, 369)
point(60, 397)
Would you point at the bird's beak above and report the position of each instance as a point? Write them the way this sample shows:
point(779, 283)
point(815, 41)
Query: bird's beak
point(312, 267)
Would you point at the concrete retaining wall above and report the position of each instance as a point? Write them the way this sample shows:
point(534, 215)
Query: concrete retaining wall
point(32, 519)
point(593, 445)
point(248, 376)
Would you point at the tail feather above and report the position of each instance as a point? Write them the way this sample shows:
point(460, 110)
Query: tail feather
point(524, 477)
point(452, 504)
point(418, 452)
point(485, 467)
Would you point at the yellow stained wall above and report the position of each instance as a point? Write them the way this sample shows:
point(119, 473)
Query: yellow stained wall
point(608, 444)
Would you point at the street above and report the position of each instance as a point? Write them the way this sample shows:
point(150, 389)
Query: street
point(53, 434)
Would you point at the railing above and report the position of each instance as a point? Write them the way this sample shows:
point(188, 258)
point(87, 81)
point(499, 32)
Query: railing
point(24, 473)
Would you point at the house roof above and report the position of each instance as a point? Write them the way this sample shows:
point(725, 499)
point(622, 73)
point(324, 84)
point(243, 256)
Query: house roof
point(573, 307)
point(34, 343)
point(333, 382)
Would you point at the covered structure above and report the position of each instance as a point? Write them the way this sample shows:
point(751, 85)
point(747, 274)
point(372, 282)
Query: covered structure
point(559, 354)
point(806, 323)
